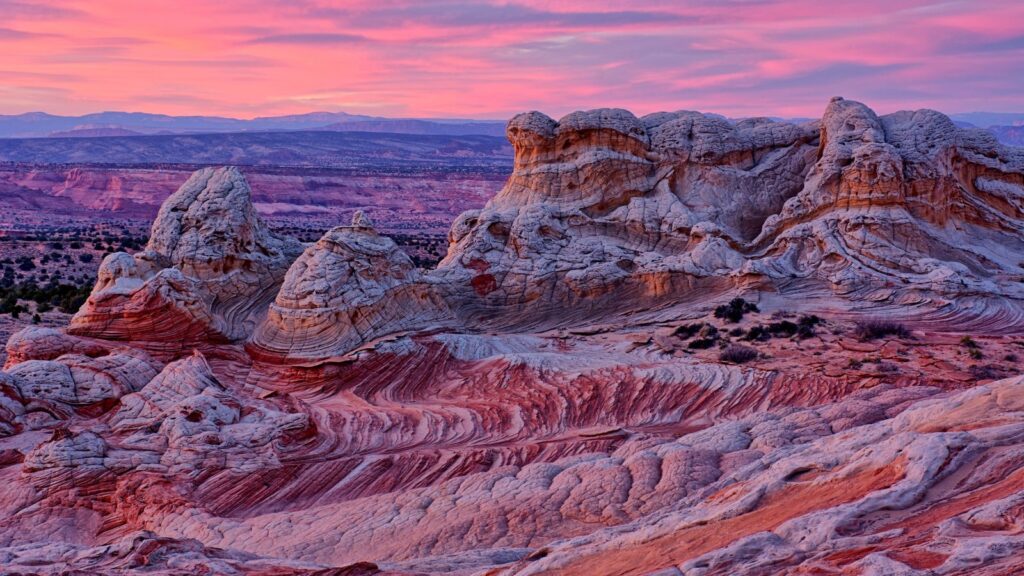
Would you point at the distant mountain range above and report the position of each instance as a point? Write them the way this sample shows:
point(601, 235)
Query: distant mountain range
point(1006, 126)
point(1010, 135)
point(990, 119)
point(43, 125)
point(313, 149)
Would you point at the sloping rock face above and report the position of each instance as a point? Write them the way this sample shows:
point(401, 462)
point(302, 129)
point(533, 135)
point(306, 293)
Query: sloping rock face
point(350, 287)
point(574, 390)
point(208, 272)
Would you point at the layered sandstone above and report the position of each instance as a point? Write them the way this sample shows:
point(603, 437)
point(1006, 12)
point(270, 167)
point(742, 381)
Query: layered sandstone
point(557, 397)
point(602, 203)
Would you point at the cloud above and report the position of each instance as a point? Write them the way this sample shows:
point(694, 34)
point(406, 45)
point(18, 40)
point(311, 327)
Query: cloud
point(490, 59)
point(11, 34)
point(311, 38)
point(14, 9)
point(484, 14)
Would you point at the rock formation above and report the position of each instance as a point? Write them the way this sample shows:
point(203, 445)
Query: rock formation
point(574, 389)
point(873, 208)
point(350, 287)
point(207, 274)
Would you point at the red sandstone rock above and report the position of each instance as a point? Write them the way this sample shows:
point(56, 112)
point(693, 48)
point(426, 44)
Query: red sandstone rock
point(551, 399)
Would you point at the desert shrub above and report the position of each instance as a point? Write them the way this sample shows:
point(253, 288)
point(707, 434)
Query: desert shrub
point(702, 343)
point(688, 330)
point(735, 309)
point(85, 257)
point(884, 366)
point(759, 333)
point(874, 328)
point(784, 328)
point(737, 354)
point(708, 331)
point(805, 326)
point(984, 372)
point(1010, 357)
point(704, 335)
point(969, 342)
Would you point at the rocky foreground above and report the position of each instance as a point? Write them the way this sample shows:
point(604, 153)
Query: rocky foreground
point(670, 345)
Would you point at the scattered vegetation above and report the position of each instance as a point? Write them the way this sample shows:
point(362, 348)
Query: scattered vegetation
point(737, 354)
point(973, 348)
point(704, 335)
point(985, 372)
point(65, 297)
point(804, 327)
point(735, 309)
point(874, 328)
point(702, 343)
point(424, 250)
point(885, 366)
point(707, 337)
point(687, 331)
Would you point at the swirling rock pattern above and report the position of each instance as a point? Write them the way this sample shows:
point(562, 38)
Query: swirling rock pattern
point(555, 398)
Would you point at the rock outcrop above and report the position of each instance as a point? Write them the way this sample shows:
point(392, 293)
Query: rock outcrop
point(906, 198)
point(602, 204)
point(209, 271)
point(350, 287)
point(575, 389)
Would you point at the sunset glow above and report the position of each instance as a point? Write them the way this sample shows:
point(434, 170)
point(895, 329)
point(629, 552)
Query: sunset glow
point(470, 59)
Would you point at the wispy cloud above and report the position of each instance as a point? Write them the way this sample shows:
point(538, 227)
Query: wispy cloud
point(314, 39)
point(12, 34)
point(482, 58)
point(37, 10)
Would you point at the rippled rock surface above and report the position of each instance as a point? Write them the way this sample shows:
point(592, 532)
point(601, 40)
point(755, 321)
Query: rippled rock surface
point(575, 389)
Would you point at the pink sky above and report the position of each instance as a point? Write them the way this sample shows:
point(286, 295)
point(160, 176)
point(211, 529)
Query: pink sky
point(466, 58)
